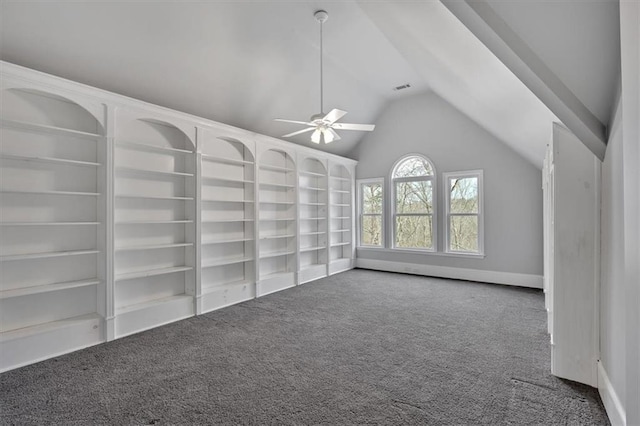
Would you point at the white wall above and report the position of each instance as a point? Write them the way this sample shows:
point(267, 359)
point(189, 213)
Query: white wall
point(429, 125)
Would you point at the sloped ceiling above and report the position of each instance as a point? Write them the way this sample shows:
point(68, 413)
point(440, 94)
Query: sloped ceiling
point(245, 63)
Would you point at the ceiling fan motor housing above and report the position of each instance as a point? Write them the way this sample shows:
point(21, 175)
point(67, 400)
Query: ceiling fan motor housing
point(321, 16)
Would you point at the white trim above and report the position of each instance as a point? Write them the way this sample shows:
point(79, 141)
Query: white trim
point(359, 183)
point(424, 253)
point(479, 174)
point(495, 277)
point(610, 399)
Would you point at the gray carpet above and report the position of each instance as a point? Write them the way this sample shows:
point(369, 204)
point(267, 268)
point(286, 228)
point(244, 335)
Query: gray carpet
point(359, 347)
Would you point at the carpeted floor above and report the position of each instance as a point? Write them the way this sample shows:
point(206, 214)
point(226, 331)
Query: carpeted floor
point(359, 347)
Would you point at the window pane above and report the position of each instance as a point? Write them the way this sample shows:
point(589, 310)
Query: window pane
point(371, 232)
point(464, 195)
point(413, 166)
point(463, 233)
point(414, 232)
point(372, 198)
point(414, 197)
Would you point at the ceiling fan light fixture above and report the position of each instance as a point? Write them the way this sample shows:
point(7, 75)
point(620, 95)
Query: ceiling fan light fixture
point(315, 137)
point(328, 137)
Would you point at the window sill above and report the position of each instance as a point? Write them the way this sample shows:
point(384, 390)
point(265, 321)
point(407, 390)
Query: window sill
point(422, 252)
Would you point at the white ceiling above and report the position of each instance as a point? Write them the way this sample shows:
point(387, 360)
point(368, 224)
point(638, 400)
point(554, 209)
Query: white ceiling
point(245, 63)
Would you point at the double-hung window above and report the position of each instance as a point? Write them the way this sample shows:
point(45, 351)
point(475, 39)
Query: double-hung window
point(371, 217)
point(413, 203)
point(464, 205)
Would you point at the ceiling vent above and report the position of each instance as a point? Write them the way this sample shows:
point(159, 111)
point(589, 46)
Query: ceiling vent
point(404, 86)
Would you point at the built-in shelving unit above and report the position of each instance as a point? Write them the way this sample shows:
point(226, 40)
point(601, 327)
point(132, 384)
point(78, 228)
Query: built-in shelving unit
point(277, 226)
point(313, 196)
point(154, 224)
point(227, 242)
point(51, 226)
point(341, 250)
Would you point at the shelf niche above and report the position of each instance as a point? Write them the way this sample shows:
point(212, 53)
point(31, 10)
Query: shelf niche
point(277, 246)
point(228, 249)
point(341, 250)
point(313, 198)
point(50, 157)
point(155, 224)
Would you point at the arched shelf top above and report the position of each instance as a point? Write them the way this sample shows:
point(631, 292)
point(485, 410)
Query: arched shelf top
point(44, 110)
point(172, 135)
point(340, 171)
point(236, 148)
point(313, 165)
point(274, 158)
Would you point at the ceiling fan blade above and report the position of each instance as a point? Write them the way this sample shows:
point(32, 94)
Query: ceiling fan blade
point(336, 137)
point(351, 126)
point(293, 121)
point(299, 132)
point(334, 115)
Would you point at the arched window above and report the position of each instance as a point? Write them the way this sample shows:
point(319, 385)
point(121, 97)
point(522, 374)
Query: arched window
point(413, 203)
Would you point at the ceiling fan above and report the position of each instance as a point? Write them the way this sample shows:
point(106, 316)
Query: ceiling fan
point(323, 125)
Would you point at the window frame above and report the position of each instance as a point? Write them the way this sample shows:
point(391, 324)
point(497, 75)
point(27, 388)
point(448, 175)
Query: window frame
point(360, 192)
point(446, 177)
point(434, 201)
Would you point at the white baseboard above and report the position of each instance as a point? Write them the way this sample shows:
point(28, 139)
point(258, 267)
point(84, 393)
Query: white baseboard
point(610, 399)
point(495, 277)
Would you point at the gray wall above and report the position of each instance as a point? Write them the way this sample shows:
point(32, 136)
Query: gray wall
point(428, 125)
point(612, 286)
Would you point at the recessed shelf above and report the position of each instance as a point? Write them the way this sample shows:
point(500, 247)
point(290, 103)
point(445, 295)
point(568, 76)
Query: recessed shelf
point(306, 234)
point(277, 237)
point(288, 203)
point(277, 185)
point(151, 273)
point(45, 255)
point(148, 304)
point(308, 173)
point(226, 220)
point(340, 191)
point(343, 179)
point(153, 197)
point(277, 219)
point(340, 244)
point(341, 217)
point(48, 223)
point(133, 170)
point(154, 247)
point(313, 218)
point(51, 160)
point(313, 204)
point(47, 129)
point(225, 285)
point(231, 240)
point(153, 222)
point(64, 193)
point(340, 204)
point(341, 230)
point(211, 200)
point(276, 254)
point(149, 147)
point(214, 159)
point(274, 275)
point(47, 326)
point(223, 262)
point(47, 288)
point(312, 188)
point(225, 179)
point(276, 168)
point(308, 249)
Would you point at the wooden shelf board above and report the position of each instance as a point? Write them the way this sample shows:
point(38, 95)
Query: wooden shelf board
point(148, 304)
point(233, 240)
point(153, 222)
point(46, 255)
point(47, 288)
point(313, 218)
point(308, 173)
point(47, 129)
point(224, 179)
point(276, 168)
point(309, 249)
point(48, 223)
point(227, 285)
point(215, 159)
point(277, 219)
point(151, 273)
point(340, 204)
point(277, 185)
point(223, 262)
point(313, 204)
point(340, 191)
point(274, 275)
point(284, 203)
point(154, 247)
point(340, 178)
point(149, 147)
point(211, 200)
point(134, 170)
point(67, 193)
point(341, 230)
point(313, 188)
point(23, 332)
point(153, 197)
point(227, 220)
point(340, 244)
point(276, 254)
point(305, 234)
point(51, 160)
point(276, 237)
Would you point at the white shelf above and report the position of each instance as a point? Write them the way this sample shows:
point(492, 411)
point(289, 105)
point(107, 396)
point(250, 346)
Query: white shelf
point(224, 179)
point(153, 197)
point(226, 220)
point(51, 160)
point(46, 255)
point(153, 222)
point(276, 168)
point(223, 262)
point(277, 219)
point(154, 247)
point(313, 204)
point(226, 285)
point(274, 275)
point(341, 217)
point(340, 204)
point(65, 193)
point(33, 330)
point(343, 179)
point(214, 159)
point(144, 305)
point(48, 223)
point(211, 200)
point(306, 234)
point(308, 249)
point(340, 244)
point(151, 273)
point(315, 174)
point(341, 230)
point(287, 203)
point(153, 148)
point(340, 191)
point(276, 254)
point(134, 170)
point(47, 288)
point(277, 185)
point(277, 237)
point(232, 240)
point(312, 188)
point(313, 218)
point(47, 129)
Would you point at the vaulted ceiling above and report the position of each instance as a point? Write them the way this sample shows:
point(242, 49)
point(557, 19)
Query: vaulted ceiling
point(245, 63)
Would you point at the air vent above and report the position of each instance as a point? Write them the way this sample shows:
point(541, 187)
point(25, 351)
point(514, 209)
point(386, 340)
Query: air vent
point(404, 86)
